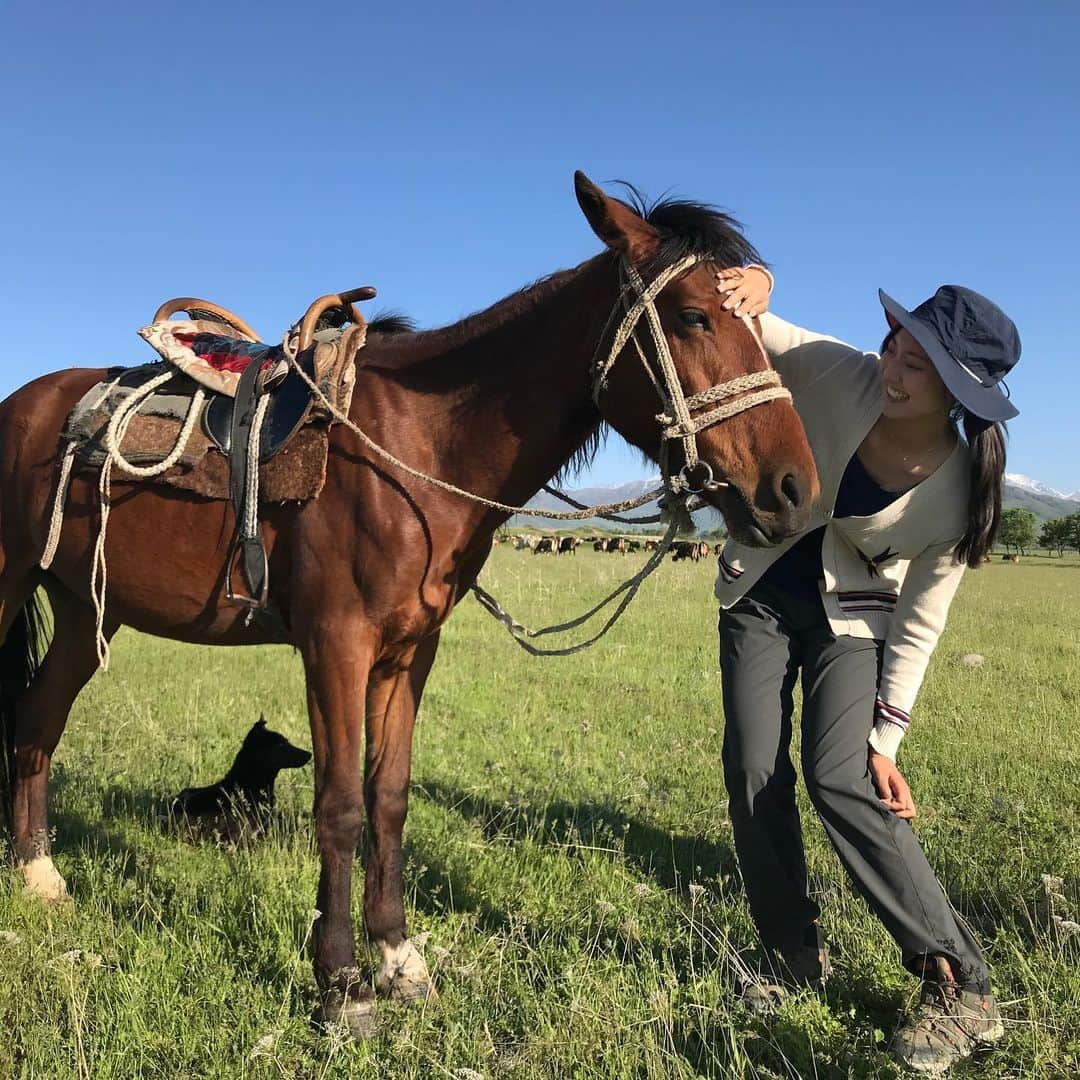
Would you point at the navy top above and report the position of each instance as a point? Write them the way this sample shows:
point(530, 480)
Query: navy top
point(799, 569)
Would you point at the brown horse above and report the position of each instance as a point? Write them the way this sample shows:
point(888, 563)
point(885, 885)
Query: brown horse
point(364, 575)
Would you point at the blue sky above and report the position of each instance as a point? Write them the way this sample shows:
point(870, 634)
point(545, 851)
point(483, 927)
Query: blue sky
point(258, 156)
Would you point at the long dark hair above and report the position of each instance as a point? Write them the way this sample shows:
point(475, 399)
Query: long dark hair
point(986, 444)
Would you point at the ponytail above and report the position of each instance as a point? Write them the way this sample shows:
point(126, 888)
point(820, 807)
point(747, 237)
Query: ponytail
point(986, 442)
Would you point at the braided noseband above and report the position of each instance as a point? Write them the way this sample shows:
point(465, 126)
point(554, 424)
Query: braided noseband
point(676, 420)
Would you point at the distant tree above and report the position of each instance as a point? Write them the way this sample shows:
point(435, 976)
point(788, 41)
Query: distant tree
point(1072, 531)
point(1055, 535)
point(1017, 529)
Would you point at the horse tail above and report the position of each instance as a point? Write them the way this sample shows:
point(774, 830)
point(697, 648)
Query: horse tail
point(21, 654)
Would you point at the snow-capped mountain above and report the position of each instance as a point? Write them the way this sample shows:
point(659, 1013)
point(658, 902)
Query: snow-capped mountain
point(1019, 480)
point(1022, 491)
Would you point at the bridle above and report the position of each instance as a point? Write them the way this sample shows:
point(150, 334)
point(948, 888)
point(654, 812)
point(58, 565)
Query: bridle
point(677, 421)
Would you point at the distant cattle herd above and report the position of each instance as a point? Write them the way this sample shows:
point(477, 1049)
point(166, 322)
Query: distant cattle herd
point(623, 545)
point(691, 550)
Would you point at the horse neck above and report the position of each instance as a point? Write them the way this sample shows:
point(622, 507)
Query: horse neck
point(507, 392)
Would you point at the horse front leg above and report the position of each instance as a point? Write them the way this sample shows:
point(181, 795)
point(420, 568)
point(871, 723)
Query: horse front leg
point(338, 655)
point(393, 698)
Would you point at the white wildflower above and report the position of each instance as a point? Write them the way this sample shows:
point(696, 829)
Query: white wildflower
point(80, 958)
point(1053, 884)
point(264, 1046)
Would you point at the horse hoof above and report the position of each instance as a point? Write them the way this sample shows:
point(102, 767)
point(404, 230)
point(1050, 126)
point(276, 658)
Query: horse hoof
point(403, 975)
point(412, 991)
point(356, 1017)
point(43, 880)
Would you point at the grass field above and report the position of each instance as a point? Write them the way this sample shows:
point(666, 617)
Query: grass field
point(569, 855)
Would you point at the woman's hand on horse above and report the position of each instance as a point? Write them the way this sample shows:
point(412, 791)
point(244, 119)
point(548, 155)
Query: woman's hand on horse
point(746, 289)
point(891, 786)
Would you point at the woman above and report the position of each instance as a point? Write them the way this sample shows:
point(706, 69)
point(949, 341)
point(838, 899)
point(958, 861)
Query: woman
point(858, 603)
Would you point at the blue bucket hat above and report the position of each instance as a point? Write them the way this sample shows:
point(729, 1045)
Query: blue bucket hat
point(972, 343)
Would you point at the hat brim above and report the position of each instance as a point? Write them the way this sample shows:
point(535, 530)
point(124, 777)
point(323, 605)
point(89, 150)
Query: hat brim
point(987, 402)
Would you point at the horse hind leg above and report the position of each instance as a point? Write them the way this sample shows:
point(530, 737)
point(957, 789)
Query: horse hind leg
point(40, 716)
point(393, 699)
point(21, 647)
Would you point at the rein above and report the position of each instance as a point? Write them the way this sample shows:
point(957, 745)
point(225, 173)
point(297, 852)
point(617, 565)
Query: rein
point(676, 422)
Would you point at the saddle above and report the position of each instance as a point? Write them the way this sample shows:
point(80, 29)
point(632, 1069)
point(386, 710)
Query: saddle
point(243, 406)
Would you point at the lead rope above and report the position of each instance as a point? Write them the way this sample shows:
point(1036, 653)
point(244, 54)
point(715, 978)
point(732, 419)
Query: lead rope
point(675, 491)
point(494, 504)
point(520, 633)
point(676, 422)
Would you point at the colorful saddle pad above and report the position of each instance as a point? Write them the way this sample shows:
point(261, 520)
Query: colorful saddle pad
point(202, 351)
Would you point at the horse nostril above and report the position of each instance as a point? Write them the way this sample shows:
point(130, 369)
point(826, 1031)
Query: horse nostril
point(791, 491)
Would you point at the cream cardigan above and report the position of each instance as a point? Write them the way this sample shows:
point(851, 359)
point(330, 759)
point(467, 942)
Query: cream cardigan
point(889, 576)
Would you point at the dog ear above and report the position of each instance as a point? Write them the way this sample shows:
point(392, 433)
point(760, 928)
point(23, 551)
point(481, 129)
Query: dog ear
point(261, 722)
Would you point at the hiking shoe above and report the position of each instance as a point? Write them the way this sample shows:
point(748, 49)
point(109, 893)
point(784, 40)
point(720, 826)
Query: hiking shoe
point(783, 970)
point(948, 1024)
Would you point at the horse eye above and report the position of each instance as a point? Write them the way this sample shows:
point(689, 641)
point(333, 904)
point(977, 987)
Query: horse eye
point(694, 317)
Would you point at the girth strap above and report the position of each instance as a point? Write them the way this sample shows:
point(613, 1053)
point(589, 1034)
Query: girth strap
point(243, 464)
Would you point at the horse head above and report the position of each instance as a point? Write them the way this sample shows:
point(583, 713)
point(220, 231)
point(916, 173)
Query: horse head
point(687, 382)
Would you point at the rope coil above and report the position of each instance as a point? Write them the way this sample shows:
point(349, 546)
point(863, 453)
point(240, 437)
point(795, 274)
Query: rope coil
point(112, 441)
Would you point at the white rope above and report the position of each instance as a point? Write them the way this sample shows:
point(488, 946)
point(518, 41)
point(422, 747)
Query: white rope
point(676, 401)
point(251, 498)
point(56, 522)
point(98, 568)
point(112, 442)
point(114, 434)
point(676, 422)
point(494, 504)
point(680, 425)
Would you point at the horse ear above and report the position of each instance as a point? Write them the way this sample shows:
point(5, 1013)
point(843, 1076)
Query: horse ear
point(261, 721)
point(614, 222)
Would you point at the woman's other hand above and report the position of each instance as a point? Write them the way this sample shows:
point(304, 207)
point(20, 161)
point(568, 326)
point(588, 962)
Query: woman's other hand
point(891, 786)
point(745, 290)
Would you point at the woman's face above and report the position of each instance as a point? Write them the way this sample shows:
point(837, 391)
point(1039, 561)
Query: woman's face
point(911, 388)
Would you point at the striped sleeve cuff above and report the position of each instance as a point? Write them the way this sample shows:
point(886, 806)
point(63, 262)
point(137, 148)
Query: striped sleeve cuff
point(766, 272)
point(890, 725)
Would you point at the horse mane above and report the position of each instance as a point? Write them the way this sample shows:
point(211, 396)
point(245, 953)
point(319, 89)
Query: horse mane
point(684, 228)
point(391, 322)
point(690, 228)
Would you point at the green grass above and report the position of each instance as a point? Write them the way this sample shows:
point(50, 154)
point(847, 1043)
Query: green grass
point(569, 857)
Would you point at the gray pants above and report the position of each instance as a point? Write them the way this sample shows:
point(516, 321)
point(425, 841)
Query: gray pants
point(764, 640)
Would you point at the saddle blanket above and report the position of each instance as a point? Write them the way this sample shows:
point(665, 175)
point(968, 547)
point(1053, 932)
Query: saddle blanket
point(212, 356)
point(296, 472)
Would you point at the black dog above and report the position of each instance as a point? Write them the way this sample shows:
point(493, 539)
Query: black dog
point(248, 787)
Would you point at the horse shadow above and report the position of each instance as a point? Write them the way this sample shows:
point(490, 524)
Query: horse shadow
point(672, 860)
